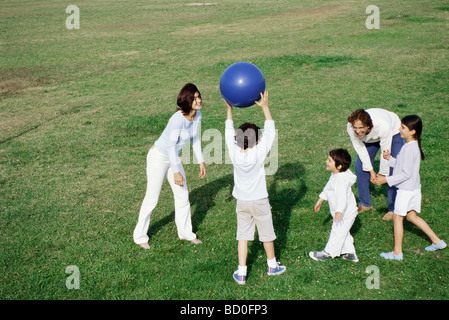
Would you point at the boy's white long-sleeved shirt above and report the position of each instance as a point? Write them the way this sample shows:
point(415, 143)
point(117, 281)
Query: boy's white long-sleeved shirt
point(176, 134)
point(339, 194)
point(385, 125)
point(406, 167)
point(249, 171)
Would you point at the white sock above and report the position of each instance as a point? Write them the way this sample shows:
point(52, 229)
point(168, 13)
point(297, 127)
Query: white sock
point(242, 270)
point(272, 263)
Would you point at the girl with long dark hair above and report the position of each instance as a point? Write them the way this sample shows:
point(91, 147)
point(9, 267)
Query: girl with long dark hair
point(406, 178)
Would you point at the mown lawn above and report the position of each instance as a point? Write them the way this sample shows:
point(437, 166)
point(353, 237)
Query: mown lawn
point(79, 110)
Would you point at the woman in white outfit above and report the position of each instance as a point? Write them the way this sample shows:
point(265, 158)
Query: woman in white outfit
point(163, 161)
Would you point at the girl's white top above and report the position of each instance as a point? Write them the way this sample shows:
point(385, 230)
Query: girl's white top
point(176, 134)
point(385, 125)
point(339, 194)
point(249, 171)
point(406, 167)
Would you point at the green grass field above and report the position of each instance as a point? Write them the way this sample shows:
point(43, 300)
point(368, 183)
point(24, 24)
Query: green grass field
point(80, 108)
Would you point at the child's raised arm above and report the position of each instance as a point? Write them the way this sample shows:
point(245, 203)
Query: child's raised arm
point(228, 111)
point(264, 105)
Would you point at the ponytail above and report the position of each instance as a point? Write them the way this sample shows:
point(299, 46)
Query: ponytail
point(413, 122)
point(420, 150)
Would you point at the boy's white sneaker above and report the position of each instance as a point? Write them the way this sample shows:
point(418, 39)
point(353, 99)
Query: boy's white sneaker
point(350, 256)
point(319, 255)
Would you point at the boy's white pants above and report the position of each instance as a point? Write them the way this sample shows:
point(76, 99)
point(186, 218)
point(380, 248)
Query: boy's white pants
point(158, 166)
point(340, 240)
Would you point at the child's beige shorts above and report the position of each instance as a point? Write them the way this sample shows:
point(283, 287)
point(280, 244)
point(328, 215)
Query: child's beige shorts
point(251, 214)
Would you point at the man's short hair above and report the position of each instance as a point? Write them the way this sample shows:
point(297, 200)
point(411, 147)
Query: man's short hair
point(363, 116)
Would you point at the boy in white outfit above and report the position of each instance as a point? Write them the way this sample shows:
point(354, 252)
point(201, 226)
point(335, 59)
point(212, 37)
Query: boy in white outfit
point(248, 154)
point(342, 206)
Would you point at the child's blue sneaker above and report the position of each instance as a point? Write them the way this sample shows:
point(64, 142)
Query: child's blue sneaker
point(391, 256)
point(275, 271)
point(239, 279)
point(438, 246)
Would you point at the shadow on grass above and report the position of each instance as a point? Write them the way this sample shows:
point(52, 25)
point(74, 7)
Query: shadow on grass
point(202, 200)
point(413, 229)
point(158, 225)
point(285, 191)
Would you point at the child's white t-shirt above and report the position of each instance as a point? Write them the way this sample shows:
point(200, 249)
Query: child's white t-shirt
point(338, 193)
point(249, 171)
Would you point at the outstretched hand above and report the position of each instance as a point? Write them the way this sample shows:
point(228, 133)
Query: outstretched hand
point(228, 106)
point(263, 104)
point(263, 100)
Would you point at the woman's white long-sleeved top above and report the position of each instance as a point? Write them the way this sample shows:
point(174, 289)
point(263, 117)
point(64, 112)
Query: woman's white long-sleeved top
point(406, 167)
point(176, 134)
point(385, 125)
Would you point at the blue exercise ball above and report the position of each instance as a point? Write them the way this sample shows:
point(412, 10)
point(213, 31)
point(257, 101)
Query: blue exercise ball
point(241, 84)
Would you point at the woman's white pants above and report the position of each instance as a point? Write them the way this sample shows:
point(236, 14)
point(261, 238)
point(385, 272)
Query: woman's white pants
point(158, 167)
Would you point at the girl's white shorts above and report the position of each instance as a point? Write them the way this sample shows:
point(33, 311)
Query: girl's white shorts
point(407, 200)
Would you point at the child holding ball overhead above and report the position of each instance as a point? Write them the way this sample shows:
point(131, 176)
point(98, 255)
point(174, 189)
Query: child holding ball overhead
point(247, 153)
point(406, 178)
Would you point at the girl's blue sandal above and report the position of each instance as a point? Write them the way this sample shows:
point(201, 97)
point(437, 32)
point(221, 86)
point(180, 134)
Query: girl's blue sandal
point(391, 256)
point(438, 246)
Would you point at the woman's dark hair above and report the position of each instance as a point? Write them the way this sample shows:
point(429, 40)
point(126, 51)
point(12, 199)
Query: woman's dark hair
point(361, 115)
point(186, 97)
point(341, 158)
point(413, 122)
point(247, 135)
